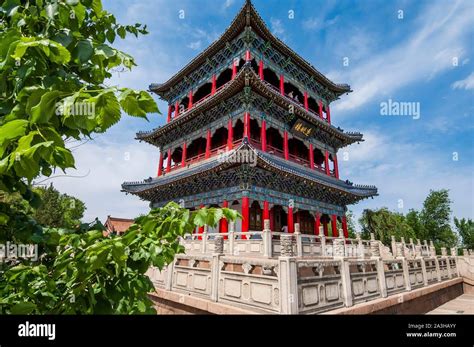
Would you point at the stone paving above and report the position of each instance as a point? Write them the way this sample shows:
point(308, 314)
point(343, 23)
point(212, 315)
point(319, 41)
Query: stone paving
point(463, 304)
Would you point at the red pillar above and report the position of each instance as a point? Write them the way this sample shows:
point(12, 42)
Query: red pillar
point(325, 229)
point(208, 144)
point(176, 109)
point(285, 145)
point(223, 225)
point(317, 223)
point(234, 69)
point(311, 156)
point(260, 69)
point(290, 222)
point(168, 161)
point(190, 97)
point(282, 84)
point(344, 227)
point(247, 55)
point(320, 109)
point(326, 162)
point(266, 210)
point(213, 89)
point(230, 135)
point(183, 157)
point(306, 101)
point(328, 113)
point(263, 135)
point(170, 109)
point(247, 125)
point(335, 232)
point(160, 165)
point(245, 215)
point(336, 168)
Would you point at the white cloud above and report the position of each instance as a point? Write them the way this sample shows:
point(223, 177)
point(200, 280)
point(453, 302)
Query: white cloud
point(228, 3)
point(467, 83)
point(407, 171)
point(442, 35)
point(110, 164)
point(196, 45)
point(277, 26)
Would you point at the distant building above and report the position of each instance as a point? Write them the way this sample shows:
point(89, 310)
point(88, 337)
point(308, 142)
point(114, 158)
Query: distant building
point(116, 226)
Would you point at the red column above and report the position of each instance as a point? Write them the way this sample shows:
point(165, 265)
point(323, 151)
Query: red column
point(190, 96)
point(306, 101)
point(160, 164)
point(223, 225)
point(320, 109)
point(230, 135)
point(260, 69)
point(201, 229)
point(168, 161)
point(266, 210)
point(247, 125)
point(311, 156)
point(208, 144)
point(335, 232)
point(183, 157)
point(247, 55)
point(263, 135)
point(170, 109)
point(317, 223)
point(336, 168)
point(328, 113)
point(282, 84)
point(285, 145)
point(245, 215)
point(344, 227)
point(176, 109)
point(234, 69)
point(213, 89)
point(326, 162)
point(325, 229)
point(290, 222)
point(272, 221)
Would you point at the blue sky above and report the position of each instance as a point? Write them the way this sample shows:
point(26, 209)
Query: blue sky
point(426, 57)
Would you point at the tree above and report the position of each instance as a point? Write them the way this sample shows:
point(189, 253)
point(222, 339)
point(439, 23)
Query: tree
point(58, 210)
point(435, 219)
point(413, 220)
point(91, 274)
point(55, 57)
point(465, 229)
point(384, 224)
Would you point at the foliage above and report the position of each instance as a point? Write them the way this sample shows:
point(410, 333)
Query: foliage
point(465, 229)
point(91, 274)
point(58, 210)
point(435, 219)
point(55, 58)
point(385, 224)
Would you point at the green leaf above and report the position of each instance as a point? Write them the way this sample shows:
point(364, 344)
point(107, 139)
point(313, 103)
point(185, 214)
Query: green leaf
point(11, 130)
point(83, 51)
point(23, 308)
point(43, 112)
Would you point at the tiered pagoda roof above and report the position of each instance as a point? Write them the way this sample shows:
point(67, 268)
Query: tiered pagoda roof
point(344, 191)
point(247, 17)
point(248, 77)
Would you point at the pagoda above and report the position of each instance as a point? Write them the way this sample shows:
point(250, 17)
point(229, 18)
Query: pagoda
point(249, 127)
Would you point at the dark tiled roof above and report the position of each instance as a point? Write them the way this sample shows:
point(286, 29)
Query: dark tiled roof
point(247, 16)
point(278, 163)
